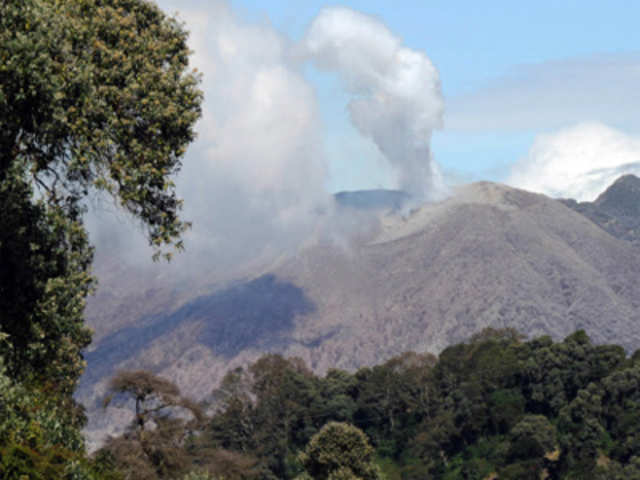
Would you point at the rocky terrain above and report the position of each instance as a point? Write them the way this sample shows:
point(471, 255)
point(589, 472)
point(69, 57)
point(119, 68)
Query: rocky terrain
point(490, 255)
point(616, 210)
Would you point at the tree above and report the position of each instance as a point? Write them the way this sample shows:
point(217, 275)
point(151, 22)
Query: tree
point(155, 397)
point(96, 94)
point(532, 438)
point(339, 451)
point(44, 280)
point(399, 393)
point(159, 452)
point(284, 389)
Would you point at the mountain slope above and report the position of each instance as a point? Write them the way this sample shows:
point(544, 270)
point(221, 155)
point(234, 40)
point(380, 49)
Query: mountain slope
point(488, 256)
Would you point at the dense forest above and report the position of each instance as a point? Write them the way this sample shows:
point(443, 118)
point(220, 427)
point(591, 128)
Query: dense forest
point(493, 407)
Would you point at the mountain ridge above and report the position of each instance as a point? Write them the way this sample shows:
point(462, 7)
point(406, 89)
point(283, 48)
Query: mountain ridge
point(616, 210)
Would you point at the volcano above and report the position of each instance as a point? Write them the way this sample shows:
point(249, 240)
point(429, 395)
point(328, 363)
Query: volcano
point(489, 255)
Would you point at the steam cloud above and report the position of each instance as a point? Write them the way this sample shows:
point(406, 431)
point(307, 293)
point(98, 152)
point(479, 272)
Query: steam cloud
point(579, 162)
point(398, 101)
point(254, 183)
point(259, 171)
point(255, 177)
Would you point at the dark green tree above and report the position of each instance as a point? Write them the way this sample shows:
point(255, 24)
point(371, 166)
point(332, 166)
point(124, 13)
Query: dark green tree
point(44, 280)
point(339, 451)
point(284, 389)
point(532, 438)
point(95, 95)
point(399, 394)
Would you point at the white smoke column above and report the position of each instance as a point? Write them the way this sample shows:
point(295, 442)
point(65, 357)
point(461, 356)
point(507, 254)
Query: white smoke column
point(579, 162)
point(398, 100)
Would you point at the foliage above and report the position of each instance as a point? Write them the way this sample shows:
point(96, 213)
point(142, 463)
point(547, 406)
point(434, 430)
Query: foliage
point(495, 407)
point(198, 475)
point(155, 397)
point(44, 280)
point(39, 437)
point(94, 95)
point(97, 94)
point(160, 450)
point(339, 451)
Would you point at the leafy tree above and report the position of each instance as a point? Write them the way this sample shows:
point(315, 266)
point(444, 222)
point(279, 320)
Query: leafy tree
point(335, 400)
point(532, 437)
point(39, 438)
point(399, 394)
point(97, 94)
point(43, 284)
point(615, 471)
point(94, 95)
point(228, 465)
point(44, 279)
point(198, 475)
point(285, 391)
point(234, 425)
point(554, 373)
point(339, 451)
point(474, 413)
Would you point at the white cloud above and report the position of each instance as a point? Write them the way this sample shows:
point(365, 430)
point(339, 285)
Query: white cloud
point(554, 94)
point(579, 162)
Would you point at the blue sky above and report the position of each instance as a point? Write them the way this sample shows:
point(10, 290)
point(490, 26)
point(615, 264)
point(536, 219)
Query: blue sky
point(474, 45)
point(472, 42)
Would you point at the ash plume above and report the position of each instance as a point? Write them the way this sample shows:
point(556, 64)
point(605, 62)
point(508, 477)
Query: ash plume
point(397, 97)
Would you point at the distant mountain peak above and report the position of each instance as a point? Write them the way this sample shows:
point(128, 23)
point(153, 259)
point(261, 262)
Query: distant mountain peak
point(622, 198)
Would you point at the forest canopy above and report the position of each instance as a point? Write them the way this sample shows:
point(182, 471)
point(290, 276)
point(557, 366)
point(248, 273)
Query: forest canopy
point(494, 407)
